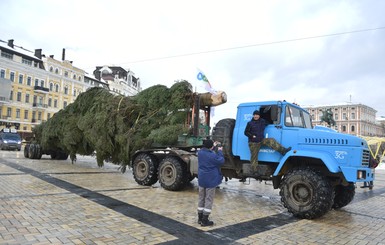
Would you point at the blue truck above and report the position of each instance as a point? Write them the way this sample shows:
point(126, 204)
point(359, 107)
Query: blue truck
point(318, 173)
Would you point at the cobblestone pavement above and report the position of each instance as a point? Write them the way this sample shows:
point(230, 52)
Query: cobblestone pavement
point(55, 202)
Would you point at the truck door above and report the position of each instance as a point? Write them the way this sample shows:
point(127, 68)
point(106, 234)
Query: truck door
point(271, 114)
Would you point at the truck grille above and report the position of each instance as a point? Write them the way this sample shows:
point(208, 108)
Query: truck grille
point(365, 158)
point(326, 141)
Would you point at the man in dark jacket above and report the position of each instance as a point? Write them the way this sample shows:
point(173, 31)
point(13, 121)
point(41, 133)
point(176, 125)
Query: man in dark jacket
point(255, 132)
point(209, 177)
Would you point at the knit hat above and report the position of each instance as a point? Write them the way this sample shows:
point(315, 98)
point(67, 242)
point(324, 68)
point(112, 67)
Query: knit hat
point(208, 143)
point(256, 112)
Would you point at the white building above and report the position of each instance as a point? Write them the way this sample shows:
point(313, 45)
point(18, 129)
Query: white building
point(118, 79)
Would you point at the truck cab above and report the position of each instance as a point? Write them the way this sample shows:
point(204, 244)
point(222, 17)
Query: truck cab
point(317, 174)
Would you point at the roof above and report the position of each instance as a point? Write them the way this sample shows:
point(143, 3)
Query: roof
point(19, 50)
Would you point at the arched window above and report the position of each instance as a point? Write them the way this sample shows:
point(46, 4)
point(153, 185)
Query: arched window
point(57, 71)
point(51, 69)
point(66, 89)
point(57, 88)
point(74, 77)
point(352, 128)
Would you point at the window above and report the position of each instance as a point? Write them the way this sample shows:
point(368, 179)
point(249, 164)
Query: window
point(344, 116)
point(51, 69)
point(18, 96)
point(33, 115)
point(42, 83)
point(9, 112)
point(57, 87)
point(27, 62)
point(294, 117)
point(39, 116)
point(343, 128)
point(66, 73)
point(27, 98)
point(36, 82)
point(17, 113)
point(11, 96)
point(57, 71)
point(50, 86)
point(64, 104)
point(66, 90)
point(336, 116)
point(26, 114)
point(12, 76)
point(2, 73)
point(353, 116)
point(49, 102)
point(55, 103)
point(74, 77)
point(75, 92)
point(48, 116)
point(352, 128)
point(29, 81)
point(21, 77)
point(80, 78)
point(6, 55)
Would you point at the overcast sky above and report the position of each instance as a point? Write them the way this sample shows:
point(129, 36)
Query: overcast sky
point(308, 52)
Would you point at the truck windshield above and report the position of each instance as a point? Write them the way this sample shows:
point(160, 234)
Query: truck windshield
point(295, 117)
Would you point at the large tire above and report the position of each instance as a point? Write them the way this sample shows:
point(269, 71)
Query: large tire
point(223, 132)
point(343, 195)
point(26, 151)
point(53, 155)
point(62, 156)
point(145, 169)
point(39, 152)
point(306, 193)
point(32, 151)
point(173, 174)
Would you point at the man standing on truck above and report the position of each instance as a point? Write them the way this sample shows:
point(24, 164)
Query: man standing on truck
point(209, 177)
point(255, 132)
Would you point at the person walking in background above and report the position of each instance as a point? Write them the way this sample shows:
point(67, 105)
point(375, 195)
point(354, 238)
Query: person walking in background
point(209, 177)
point(255, 133)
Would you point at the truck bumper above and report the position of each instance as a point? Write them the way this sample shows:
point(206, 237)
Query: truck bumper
point(354, 174)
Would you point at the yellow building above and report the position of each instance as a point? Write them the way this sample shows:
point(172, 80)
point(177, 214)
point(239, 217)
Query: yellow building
point(34, 87)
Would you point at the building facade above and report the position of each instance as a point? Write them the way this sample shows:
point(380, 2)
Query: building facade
point(34, 86)
point(354, 119)
point(120, 81)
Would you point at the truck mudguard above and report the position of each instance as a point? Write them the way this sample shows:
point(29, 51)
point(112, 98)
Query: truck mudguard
point(327, 159)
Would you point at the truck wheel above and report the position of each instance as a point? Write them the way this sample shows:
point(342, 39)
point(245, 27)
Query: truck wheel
point(172, 174)
point(26, 151)
point(306, 194)
point(32, 151)
point(39, 152)
point(145, 169)
point(223, 132)
point(63, 156)
point(343, 195)
point(53, 155)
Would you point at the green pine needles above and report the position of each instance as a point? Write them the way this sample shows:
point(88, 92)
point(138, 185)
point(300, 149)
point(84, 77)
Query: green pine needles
point(113, 126)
